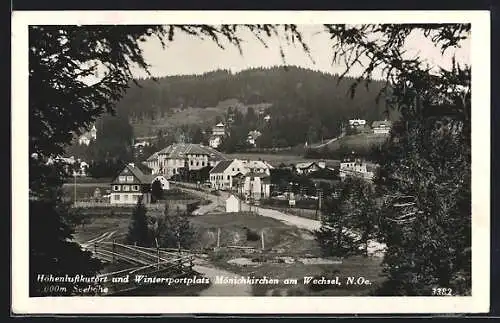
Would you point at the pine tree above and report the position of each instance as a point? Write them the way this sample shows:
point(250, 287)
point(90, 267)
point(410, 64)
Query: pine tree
point(361, 206)
point(175, 230)
point(156, 191)
point(334, 235)
point(138, 232)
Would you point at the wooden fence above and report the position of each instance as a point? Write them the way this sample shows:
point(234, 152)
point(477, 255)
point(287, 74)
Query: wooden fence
point(93, 204)
point(135, 260)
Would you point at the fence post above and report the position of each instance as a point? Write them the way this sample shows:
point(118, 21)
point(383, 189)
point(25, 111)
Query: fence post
point(114, 250)
point(218, 237)
point(158, 254)
point(262, 238)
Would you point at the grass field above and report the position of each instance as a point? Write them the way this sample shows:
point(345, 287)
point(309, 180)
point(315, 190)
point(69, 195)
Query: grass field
point(361, 141)
point(84, 191)
point(280, 240)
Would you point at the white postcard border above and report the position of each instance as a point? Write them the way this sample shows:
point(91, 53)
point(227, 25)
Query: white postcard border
point(480, 57)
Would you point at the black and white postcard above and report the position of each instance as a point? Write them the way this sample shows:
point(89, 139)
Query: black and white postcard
point(250, 162)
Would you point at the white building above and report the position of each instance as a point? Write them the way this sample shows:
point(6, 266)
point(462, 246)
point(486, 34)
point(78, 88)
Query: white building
point(170, 160)
point(219, 130)
point(351, 167)
point(233, 204)
point(255, 186)
point(165, 184)
point(308, 167)
point(252, 137)
point(130, 184)
point(215, 141)
point(141, 144)
point(381, 127)
point(257, 166)
point(222, 175)
point(355, 123)
point(88, 137)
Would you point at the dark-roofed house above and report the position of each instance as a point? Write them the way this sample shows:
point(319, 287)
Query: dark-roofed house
point(221, 176)
point(381, 127)
point(171, 159)
point(129, 185)
point(306, 168)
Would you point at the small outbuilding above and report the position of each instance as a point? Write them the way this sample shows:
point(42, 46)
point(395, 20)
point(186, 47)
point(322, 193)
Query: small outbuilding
point(163, 181)
point(233, 204)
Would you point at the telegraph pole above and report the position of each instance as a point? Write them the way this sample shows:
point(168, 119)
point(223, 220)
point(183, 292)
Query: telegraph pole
point(74, 189)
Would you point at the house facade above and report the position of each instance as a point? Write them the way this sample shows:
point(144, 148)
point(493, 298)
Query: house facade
point(129, 185)
point(257, 166)
point(219, 130)
point(215, 141)
point(170, 160)
point(357, 123)
point(252, 137)
point(222, 175)
point(307, 168)
point(88, 137)
point(352, 167)
point(255, 186)
point(381, 127)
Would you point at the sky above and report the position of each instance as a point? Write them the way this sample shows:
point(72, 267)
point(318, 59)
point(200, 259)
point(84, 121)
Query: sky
point(190, 55)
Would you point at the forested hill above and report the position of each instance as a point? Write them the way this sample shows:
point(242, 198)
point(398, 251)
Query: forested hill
point(300, 98)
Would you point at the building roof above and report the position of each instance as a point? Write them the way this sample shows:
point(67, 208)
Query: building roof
point(153, 157)
point(382, 124)
point(251, 164)
point(180, 151)
point(221, 166)
point(305, 165)
point(254, 134)
point(139, 176)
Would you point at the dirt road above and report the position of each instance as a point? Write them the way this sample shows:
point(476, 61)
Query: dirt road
point(222, 289)
point(374, 248)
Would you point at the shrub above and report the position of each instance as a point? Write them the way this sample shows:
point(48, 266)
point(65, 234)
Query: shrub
point(252, 235)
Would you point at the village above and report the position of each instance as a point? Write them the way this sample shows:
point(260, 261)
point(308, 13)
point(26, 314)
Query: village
point(248, 180)
point(279, 204)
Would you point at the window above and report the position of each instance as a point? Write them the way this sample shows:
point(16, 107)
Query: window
point(122, 179)
point(197, 163)
point(117, 197)
point(238, 169)
point(130, 179)
point(135, 188)
point(191, 162)
point(233, 169)
point(126, 188)
point(135, 198)
point(116, 187)
point(203, 164)
point(126, 197)
point(228, 176)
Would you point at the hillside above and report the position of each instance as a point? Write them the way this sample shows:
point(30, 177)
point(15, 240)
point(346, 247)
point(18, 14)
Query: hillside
point(305, 105)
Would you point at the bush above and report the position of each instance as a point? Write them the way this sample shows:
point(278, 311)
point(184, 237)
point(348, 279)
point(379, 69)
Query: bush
point(252, 235)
